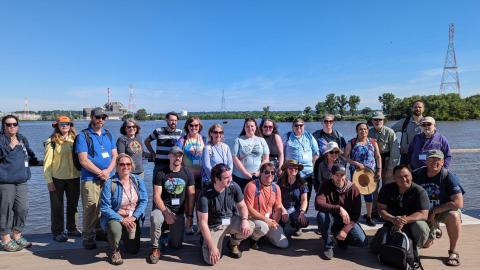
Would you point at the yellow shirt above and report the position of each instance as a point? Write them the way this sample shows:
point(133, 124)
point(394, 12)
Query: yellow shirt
point(58, 162)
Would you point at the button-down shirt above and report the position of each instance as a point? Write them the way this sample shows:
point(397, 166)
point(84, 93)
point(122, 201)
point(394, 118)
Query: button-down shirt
point(387, 143)
point(413, 128)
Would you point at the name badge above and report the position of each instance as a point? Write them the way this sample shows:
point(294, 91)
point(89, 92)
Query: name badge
point(175, 201)
point(267, 215)
point(422, 157)
point(225, 221)
point(105, 155)
point(291, 210)
point(26, 164)
point(196, 162)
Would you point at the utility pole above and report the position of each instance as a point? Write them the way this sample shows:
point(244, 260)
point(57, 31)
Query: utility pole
point(450, 81)
point(223, 106)
point(131, 99)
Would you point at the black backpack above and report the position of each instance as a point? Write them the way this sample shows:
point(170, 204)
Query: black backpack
point(91, 151)
point(397, 250)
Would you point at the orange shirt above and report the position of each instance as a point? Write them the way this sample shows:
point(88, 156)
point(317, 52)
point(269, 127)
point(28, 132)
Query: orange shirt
point(268, 199)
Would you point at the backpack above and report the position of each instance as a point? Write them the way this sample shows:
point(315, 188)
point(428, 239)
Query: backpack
point(397, 250)
point(91, 151)
point(257, 190)
point(354, 141)
point(404, 127)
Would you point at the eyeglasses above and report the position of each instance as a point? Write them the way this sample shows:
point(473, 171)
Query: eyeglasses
point(334, 152)
point(194, 126)
point(426, 124)
point(125, 164)
point(64, 124)
point(269, 172)
point(298, 125)
point(131, 127)
point(328, 121)
point(377, 120)
point(98, 117)
point(11, 124)
point(268, 127)
point(217, 132)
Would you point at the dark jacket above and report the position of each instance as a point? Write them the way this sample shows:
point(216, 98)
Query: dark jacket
point(14, 168)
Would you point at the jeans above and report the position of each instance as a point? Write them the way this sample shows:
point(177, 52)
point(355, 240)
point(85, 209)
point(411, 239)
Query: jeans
point(331, 224)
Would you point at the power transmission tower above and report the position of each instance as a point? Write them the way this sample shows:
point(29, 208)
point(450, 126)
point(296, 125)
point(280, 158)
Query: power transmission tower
point(131, 99)
point(223, 106)
point(450, 80)
point(26, 111)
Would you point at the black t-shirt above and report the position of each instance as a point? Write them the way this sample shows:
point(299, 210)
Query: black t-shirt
point(219, 205)
point(413, 200)
point(438, 190)
point(174, 186)
point(291, 194)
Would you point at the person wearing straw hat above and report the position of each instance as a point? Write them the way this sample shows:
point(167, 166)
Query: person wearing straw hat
point(363, 154)
point(339, 205)
point(294, 196)
point(429, 139)
point(322, 168)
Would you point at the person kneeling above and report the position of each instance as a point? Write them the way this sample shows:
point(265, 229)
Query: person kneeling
point(123, 203)
point(339, 205)
point(217, 215)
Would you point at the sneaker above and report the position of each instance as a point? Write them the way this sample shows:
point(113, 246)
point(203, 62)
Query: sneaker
point(23, 242)
point(297, 232)
point(60, 238)
point(116, 258)
point(155, 256)
point(75, 233)
point(254, 244)
point(11, 246)
point(370, 222)
point(327, 254)
point(236, 252)
point(89, 244)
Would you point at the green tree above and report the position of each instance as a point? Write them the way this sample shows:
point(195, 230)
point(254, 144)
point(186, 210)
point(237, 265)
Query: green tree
point(388, 101)
point(320, 108)
point(141, 115)
point(353, 102)
point(266, 112)
point(367, 111)
point(330, 103)
point(342, 103)
point(307, 113)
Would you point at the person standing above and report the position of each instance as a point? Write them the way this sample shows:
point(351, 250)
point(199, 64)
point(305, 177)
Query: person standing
point(328, 134)
point(215, 152)
point(166, 138)
point(269, 130)
point(96, 150)
point(131, 144)
point(16, 157)
point(409, 127)
point(63, 179)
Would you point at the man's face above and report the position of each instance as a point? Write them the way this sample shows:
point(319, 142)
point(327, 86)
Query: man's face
point(225, 179)
point(328, 123)
point(403, 178)
point(434, 164)
point(98, 121)
point(176, 159)
point(418, 108)
point(339, 179)
point(268, 175)
point(377, 123)
point(172, 121)
point(428, 128)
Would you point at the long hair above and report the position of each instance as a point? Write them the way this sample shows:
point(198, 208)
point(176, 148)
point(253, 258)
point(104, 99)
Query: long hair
point(123, 128)
point(283, 180)
point(275, 126)
point(210, 131)
point(57, 134)
point(257, 130)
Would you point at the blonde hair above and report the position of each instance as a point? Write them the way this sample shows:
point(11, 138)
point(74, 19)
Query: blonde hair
point(123, 155)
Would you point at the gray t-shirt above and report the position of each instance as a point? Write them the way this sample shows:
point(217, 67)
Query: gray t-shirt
point(413, 128)
point(133, 148)
point(219, 205)
point(250, 152)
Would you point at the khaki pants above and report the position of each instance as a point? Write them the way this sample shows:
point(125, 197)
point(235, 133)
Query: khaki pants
point(275, 236)
point(91, 208)
point(219, 232)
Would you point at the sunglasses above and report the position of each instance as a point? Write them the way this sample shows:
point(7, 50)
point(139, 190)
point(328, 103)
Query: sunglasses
point(197, 125)
point(268, 127)
point(64, 124)
point(269, 172)
point(292, 167)
point(299, 125)
point(131, 127)
point(377, 120)
point(11, 124)
point(217, 132)
point(334, 152)
point(426, 124)
point(98, 117)
point(125, 164)
point(328, 121)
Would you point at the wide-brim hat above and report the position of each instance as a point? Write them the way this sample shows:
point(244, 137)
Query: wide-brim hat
point(292, 162)
point(364, 179)
point(330, 146)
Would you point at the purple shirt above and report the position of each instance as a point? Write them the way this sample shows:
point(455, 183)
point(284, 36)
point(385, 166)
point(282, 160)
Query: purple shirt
point(418, 149)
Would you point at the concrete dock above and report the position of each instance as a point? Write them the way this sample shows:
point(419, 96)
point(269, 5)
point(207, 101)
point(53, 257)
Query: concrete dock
point(303, 253)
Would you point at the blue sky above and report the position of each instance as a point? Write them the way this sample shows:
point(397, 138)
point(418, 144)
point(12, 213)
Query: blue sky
point(179, 55)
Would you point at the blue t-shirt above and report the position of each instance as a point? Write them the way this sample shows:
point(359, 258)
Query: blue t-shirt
point(102, 146)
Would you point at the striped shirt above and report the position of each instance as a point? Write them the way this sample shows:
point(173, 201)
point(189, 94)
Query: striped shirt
point(165, 141)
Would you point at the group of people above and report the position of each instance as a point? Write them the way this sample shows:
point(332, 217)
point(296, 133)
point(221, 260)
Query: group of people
point(248, 192)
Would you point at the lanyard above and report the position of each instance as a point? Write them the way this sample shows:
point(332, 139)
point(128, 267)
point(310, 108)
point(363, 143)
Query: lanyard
point(222, 155)
point(130, 199)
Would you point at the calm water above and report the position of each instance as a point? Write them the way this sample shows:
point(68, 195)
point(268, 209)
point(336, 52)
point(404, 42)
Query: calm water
point(460, 135)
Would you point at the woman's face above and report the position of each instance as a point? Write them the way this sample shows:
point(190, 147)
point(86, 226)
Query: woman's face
point(194, 127)
point(333, 155)
point(131, 129)
point(11, 126)
point(267, 128)
point(292, 170)
point(124, 166)
point(250, 128)
point(64, 127)
point(298, 128)
point(362, 131)
point(217, 135)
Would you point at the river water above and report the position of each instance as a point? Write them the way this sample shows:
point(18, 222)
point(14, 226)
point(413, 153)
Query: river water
point(460, 134)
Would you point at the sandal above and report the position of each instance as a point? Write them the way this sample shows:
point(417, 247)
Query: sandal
point(453, 258)
point(438, 233)
point(428, 243)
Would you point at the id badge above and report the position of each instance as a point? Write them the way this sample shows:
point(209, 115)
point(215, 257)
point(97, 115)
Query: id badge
point(305, 156)
point(105, 155)
point(267, 215)
point(291, 210)
point(422, 157)
point(175, 201)
point(196, 162)
point(26, 164)
point(226, 221)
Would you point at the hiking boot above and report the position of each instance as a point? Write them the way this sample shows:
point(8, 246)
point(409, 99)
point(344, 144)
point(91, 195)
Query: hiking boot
point(75, 233)
point(89, 244)
point(298, 232)
point(60, 238)
point(236, 252)
point(155, 255)
point(369, 221)
point(23, 242)
point(327, 254)
point(101, 236)
point(116, 258)
point(254, 244)
point(11, 246)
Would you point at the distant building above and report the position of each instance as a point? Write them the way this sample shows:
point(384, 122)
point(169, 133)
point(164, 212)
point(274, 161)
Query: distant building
point(184, 113)
point(114, 109)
